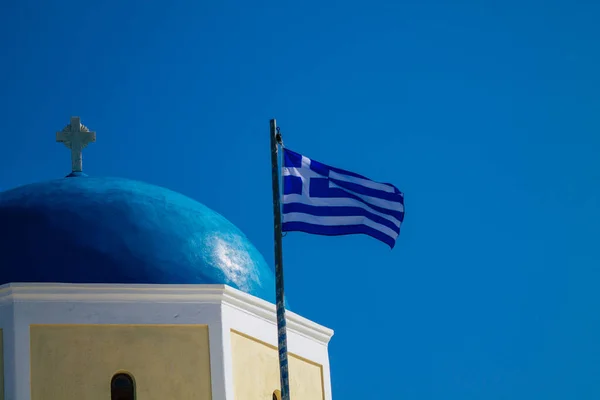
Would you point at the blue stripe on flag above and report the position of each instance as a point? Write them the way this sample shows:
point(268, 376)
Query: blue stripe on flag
point(366, 190)
point(338, 231)
point(320, 188)
point(343, 211)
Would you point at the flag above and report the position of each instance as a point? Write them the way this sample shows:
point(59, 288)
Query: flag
point(325, 200)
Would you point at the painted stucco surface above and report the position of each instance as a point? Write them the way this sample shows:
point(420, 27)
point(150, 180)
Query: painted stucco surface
point(256, 371)
point(112, 230)
point(74, 362)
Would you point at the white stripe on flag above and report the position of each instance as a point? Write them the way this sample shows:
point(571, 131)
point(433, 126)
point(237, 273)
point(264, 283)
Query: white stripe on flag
point(335, 202)
point(389, 205)
point(362, 182)
point(338, 221)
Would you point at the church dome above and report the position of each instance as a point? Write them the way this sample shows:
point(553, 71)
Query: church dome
point(111, 230)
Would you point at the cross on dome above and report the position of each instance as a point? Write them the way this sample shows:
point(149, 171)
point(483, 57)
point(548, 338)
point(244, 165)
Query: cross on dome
point(76, 137)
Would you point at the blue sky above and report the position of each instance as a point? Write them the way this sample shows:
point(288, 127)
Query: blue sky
point(485, 114)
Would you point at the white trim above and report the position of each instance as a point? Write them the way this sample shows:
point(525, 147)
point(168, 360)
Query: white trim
point(116, 293)
point(7, 318)
point(218, 358)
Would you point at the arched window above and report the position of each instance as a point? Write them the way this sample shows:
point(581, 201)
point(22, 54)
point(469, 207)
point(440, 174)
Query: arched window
point(122, 387)
point(276, 395)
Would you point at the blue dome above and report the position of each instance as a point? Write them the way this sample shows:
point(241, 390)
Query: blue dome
point(110, 230)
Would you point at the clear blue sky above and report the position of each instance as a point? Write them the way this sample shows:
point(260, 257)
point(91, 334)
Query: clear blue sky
point(484, 113)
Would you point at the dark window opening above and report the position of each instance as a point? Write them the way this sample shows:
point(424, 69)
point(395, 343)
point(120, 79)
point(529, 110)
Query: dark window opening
point(122, 387)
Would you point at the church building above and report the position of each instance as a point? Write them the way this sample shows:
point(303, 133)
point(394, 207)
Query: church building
point(113, 289)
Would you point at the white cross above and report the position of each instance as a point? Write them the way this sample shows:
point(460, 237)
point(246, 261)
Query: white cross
point(76, 137)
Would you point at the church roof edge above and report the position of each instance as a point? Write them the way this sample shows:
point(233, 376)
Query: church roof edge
point(205, 293)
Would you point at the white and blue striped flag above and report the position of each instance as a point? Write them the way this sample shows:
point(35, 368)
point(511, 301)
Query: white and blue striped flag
point(324, 200)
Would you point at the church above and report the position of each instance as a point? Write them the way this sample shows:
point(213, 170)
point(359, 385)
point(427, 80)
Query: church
point(114, 289)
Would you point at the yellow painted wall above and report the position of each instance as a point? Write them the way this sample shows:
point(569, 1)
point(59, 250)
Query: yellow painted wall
point(77, 362)
point(256, 371)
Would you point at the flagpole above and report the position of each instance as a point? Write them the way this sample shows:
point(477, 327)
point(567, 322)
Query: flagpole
point(281, 326)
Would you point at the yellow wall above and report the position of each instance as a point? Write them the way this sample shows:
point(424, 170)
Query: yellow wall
point(256, 371)
point(77, 362)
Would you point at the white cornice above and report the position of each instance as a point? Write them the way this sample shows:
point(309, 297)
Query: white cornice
point(116, 293)
point(267, 311)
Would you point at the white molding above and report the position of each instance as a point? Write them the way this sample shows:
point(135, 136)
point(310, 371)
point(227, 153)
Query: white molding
point(139, 293)
point(7, 318)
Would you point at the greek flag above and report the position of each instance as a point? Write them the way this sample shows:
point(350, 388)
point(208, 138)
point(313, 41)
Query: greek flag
point(324, 200)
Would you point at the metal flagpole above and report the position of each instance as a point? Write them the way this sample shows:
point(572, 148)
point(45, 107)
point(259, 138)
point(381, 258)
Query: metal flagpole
point(281, 329)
